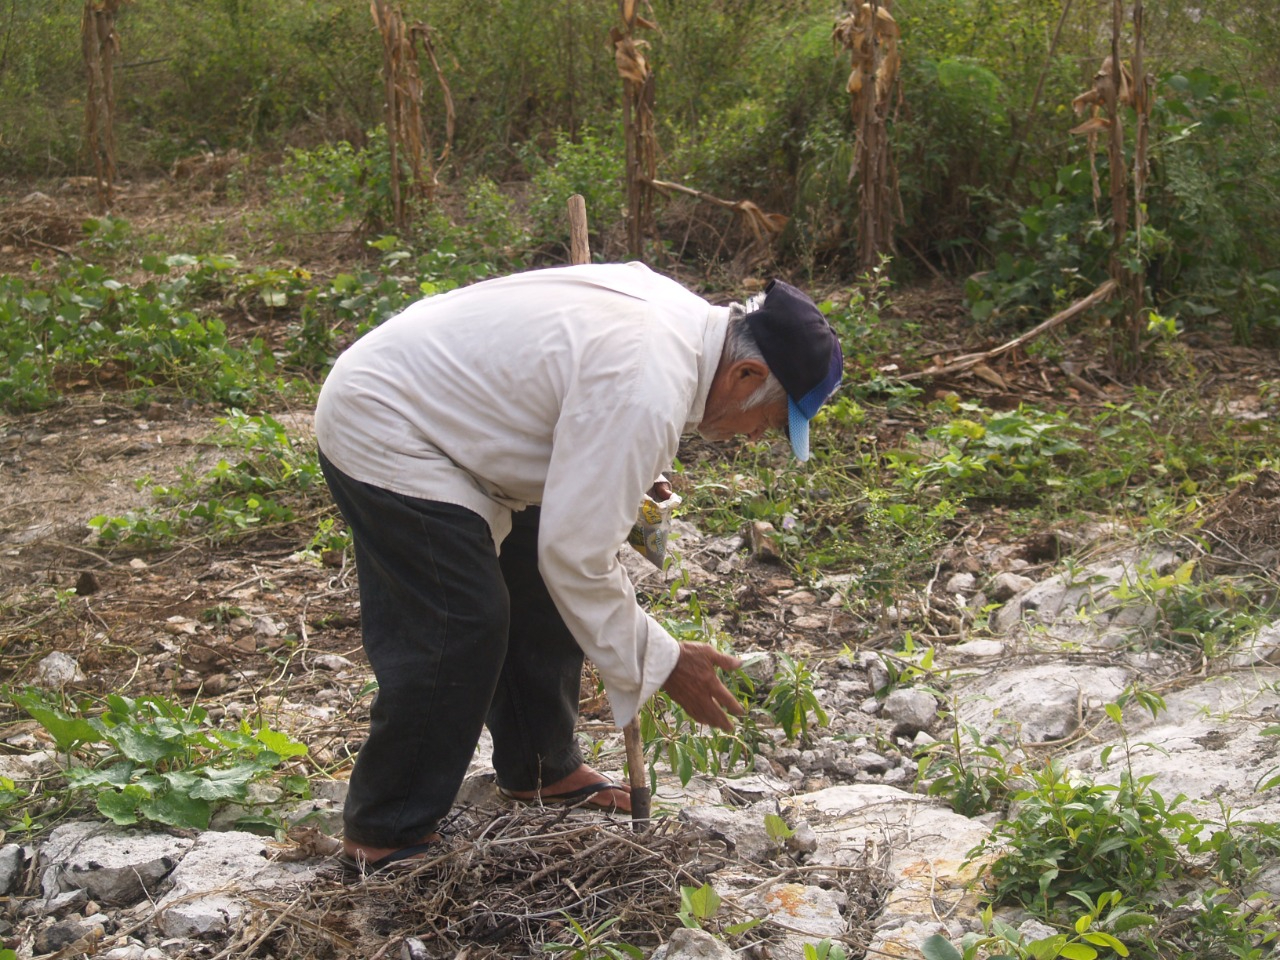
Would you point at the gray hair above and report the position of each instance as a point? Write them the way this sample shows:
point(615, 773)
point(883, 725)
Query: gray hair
point(739, 344)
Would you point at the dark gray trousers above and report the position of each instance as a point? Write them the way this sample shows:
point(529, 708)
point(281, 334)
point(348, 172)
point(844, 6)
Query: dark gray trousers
point(457, 637)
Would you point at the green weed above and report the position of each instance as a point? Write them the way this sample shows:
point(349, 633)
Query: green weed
point(592, 943)
point(1069, 835)
point(1092, 935)
point(972, 775)
point(700, 909)
point(231, 497)
point(791, 700)
point(154, 760)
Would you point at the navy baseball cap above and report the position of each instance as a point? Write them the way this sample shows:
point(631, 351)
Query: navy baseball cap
point(801, 350)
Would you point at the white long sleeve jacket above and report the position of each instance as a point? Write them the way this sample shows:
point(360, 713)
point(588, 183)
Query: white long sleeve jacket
point(567, 387)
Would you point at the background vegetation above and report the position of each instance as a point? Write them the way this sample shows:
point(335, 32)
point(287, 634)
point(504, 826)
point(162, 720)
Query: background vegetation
point(273, 110)
point(751, 105)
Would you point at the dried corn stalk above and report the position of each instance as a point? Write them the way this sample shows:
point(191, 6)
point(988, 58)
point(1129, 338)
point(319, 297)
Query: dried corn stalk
point(1095, 101)
point(638, 122)
point(1115, 87)
point(100, 43)
point(870, 34)
point(406, 132)
point(764, 227)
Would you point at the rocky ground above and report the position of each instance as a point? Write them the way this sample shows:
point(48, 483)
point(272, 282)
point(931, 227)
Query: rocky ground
point(1018, 642)
point(1026, 653)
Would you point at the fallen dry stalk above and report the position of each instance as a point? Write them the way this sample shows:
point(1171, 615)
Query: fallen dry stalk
point(763, 226)
point(1103, 292)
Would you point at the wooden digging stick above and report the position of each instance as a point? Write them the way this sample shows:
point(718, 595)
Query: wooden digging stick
point(579, 253)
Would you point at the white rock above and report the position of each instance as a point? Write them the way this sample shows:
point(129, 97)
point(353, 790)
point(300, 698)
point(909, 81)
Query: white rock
point(11, 861)
point(1038, 703)
point(929, 844)
point(805, 913)
point(911, 708)
point(58, 669)
point(687, 944)
point(332, 661)
point(198, 905)
point(266, 627)
point(1262, 648)
point(742, 828)
point(963, 583)
point(110, 863)
point(1005, 586)
point(903, 940)
point(974, 649)
point(1206, 744)
point(22, 768)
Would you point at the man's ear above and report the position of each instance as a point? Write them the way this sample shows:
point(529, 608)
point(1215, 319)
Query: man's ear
point(746, 377)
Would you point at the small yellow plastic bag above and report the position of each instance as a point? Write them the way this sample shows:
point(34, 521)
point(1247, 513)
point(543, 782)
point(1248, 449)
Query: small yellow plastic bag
point(653, 527)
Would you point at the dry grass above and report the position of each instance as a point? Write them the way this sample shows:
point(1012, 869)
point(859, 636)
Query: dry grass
point(507, 882)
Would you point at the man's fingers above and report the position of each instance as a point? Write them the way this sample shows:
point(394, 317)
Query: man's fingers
point(697, 687)
point(725, 698)
point(725, 661)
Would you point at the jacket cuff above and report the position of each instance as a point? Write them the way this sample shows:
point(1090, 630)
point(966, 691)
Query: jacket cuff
point(660, 655)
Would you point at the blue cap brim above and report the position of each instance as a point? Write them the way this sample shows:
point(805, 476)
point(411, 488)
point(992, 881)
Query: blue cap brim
point(797, 431)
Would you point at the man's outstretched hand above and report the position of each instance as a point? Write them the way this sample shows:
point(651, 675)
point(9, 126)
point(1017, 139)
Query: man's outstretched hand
point(695, 685)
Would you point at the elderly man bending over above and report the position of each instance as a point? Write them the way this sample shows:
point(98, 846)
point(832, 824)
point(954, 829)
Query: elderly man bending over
point(489, 448)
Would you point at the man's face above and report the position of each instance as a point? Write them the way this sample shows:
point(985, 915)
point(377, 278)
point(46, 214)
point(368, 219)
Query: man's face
point(731, 420)
point(726, 415)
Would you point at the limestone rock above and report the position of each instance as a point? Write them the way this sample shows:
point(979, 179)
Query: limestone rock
point(211, 879)
point(57, 670)
point(11, 861)
point(1038, 703)
point(1005, 586)
point(110, 863)
point(687, 944)
point(911, 708)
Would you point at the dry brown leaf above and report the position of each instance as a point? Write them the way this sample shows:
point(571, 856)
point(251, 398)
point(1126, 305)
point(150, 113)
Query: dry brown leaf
point(632, 65)
point(983, 372)
point(1093, 125)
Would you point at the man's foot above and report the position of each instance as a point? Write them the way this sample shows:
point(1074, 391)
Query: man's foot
point(366, 859)
point(584, 787)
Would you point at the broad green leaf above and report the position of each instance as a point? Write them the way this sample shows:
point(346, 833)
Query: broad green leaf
point(121, 806)
point(1048, 948)
point(777, 828)
point(939, 948)
point(143, 745)
point(230, 783)
point(67, 732)
point(1078, 951)
point(279, 743)
point(1106, 940)
point(117, 775)
point(176, 810)
point(183, 781)
point(744, 926)
point(702, 902)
